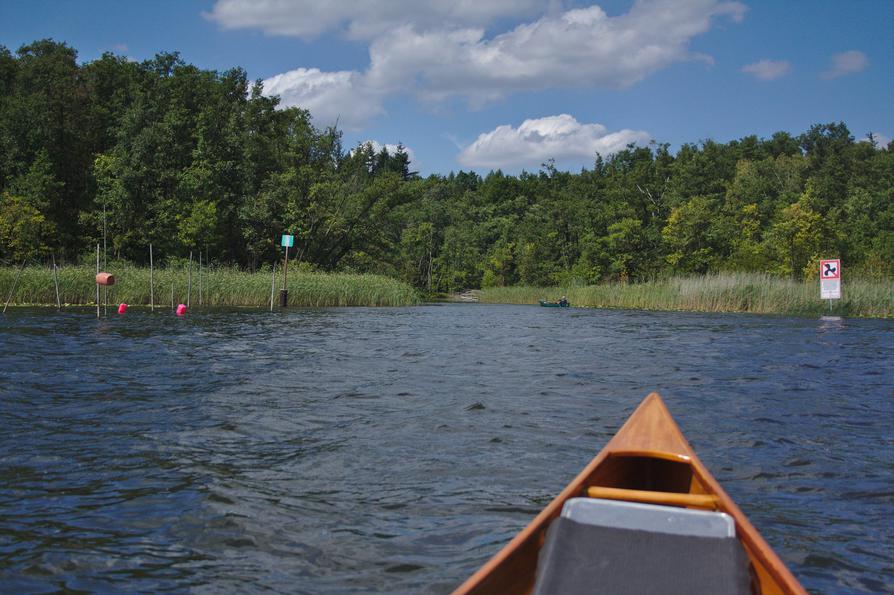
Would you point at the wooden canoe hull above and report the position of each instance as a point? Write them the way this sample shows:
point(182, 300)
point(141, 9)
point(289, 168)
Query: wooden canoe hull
point(648, 458)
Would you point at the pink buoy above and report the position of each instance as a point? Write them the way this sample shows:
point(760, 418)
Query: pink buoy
point(181, 310)
point(122, 308)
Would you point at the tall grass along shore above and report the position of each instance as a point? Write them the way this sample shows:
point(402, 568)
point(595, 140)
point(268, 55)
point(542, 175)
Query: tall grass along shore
point(732, 292)
point(218, 286)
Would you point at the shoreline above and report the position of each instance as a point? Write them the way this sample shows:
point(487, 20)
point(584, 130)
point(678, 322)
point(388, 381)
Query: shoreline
point(216, 287)
point(733, 293)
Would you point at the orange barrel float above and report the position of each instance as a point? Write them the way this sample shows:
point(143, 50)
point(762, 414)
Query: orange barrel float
point(105, 279)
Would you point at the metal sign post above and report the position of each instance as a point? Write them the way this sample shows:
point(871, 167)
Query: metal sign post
point(830, 280)
point(287, 242)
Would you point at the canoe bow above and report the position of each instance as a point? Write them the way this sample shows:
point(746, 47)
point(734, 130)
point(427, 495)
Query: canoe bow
point(648, 460)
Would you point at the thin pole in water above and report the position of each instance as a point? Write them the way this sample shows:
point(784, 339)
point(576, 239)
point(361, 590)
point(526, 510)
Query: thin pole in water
point(14, 283)
point(151, 282)
point(200, 277)
point(172, 294)
point(105, 260)
point(56, 283)
point(272, 285)
point(284, 293)
point(97, 285)
point(189, 280)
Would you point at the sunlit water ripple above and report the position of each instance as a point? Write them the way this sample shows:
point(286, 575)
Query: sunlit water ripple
point(357, 450)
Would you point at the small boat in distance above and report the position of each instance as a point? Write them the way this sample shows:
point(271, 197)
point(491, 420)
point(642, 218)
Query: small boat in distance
point(645, 505)
point(561, 303)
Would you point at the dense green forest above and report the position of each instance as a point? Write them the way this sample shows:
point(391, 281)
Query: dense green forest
point(187, 159)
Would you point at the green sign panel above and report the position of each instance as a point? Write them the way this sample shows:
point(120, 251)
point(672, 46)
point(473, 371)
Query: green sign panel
point(288, 241)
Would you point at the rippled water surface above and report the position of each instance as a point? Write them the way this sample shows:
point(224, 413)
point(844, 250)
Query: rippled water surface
point(356, 450)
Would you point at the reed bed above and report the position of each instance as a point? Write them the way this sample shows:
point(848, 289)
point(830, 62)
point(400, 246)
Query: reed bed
point(220, 286)
point(727, 292)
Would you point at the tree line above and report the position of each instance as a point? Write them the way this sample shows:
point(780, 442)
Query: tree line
point(161, 152)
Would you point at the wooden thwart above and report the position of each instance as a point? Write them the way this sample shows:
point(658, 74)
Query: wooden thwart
point(650, 497)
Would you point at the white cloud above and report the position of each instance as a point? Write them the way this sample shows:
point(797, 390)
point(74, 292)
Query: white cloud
point(881, 140)
point(363, 20)
point(577, 48)
point(560, 137)
point(846, 63)
point(430, 51)
point(329, 96)
point(768, 70)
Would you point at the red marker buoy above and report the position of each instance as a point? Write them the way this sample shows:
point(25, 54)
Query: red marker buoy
point(122, 308)
point(105, 279)
point(181, 310)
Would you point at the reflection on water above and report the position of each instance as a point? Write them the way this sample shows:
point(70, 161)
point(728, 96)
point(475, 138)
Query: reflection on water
point(397, 449)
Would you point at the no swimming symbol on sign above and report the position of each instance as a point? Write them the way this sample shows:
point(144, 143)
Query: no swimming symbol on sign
point(830, 269)
point(830, 279)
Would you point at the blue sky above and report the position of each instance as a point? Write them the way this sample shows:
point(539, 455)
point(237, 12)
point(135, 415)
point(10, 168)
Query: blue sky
point(485, 84)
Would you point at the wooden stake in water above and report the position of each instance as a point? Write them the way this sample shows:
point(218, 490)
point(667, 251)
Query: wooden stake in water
point(56, 283)
point(272, 285)
point(189, 280)
point(97, 285)
point(151, 282)
point(105, 260)
point(14, 283)
point(172, 295)
point(200, 277)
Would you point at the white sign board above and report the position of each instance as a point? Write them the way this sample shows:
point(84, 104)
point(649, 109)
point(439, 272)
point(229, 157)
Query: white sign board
point(830, 279)
point(288, 241)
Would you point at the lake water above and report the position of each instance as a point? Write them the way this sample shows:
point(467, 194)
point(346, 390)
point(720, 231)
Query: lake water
point(396, 450)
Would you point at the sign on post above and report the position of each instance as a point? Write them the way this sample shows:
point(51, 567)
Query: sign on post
point(286, 242)
point(830, 279)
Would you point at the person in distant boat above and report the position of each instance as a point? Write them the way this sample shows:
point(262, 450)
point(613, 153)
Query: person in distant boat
point(563, 301)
